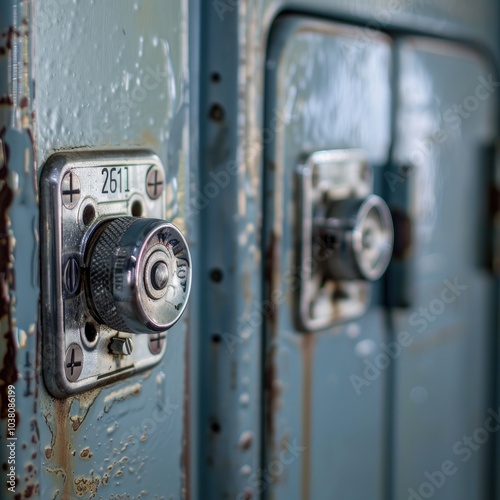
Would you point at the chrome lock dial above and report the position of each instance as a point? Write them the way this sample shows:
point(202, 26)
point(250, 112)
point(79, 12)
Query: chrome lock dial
point(359, 233)
point(344, 238)
point(139, 274)
point(115, 266)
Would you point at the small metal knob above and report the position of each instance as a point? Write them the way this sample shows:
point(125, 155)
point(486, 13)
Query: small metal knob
point(138, 274)
point(121, 346)
point(360, 236)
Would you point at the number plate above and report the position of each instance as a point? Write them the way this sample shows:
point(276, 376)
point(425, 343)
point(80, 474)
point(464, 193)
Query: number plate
point(79, 190)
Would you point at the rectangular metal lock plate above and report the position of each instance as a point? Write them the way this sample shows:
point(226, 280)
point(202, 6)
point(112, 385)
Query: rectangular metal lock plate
point(332, 287)
point(78, 192)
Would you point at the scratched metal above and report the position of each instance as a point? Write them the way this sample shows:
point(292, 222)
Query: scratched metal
point(234, 216)
point(108, 75)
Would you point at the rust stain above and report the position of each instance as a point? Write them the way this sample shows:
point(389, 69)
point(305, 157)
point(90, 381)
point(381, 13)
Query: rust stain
point(30, 491)
point(271, 385)
point(83, 485)
point(8, 372)
point(28, 487)
point(75, 422)
point(56, 413)
point(6, 100)
point(60, 442)
point(86, 454)
point(23, 102)
point(247, 494)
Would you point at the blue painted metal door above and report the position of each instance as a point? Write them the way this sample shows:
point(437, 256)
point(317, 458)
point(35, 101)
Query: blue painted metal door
point(388, 397)
point(109, 75)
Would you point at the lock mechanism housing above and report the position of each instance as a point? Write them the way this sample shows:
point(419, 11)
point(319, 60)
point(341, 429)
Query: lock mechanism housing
point(116, 276)
point(344, 238)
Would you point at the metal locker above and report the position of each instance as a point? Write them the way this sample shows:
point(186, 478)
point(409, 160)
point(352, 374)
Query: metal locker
point(311, 401)
point(277, 150)
point(110, 77)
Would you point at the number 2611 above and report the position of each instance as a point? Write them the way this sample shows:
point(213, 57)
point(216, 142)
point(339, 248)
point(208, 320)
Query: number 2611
point(115, 180)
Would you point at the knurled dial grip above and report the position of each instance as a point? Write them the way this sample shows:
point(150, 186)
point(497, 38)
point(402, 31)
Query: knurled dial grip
point(138, 274)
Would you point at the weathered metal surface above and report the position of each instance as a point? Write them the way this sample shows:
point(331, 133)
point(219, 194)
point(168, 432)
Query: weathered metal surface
point(109, 75)
point(85, 57)
point(337, 425)
point(443, 380)
point(237, 135)
point(19, 259)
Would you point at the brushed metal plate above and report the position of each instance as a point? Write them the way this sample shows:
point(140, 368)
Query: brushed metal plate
point(323, 177)
point(77, 191)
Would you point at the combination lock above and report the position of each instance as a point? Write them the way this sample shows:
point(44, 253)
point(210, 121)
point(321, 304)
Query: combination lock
point(138, 274)
point(345, 238)
point(116, 272)
point(359, 236)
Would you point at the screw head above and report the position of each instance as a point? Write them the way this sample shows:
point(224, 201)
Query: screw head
point(155, 182)
point(70, 190)
point(121, 346)
point(156, 342)
point(73, 363)
point(72, 276)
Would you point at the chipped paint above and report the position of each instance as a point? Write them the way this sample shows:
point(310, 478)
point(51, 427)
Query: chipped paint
point(84, 118)
point(75, 437)
point(17, 199)
point(121, 395)
point(8, 371)
point(86, 454)
point(84, 485)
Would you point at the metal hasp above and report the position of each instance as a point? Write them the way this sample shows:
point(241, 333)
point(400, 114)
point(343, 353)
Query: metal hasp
point(345, 238)
point(112, 267)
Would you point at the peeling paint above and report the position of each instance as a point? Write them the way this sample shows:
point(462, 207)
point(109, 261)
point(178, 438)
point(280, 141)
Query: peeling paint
point(121, 395)
point(86, 454)
point(8, 371)
point(84, 485)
